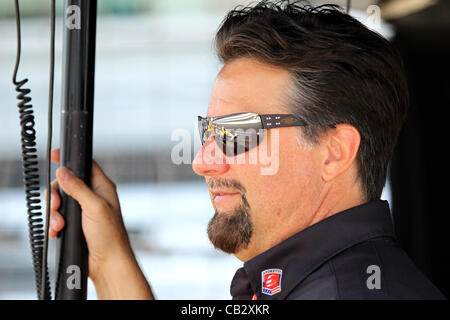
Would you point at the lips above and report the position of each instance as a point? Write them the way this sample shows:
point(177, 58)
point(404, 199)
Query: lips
point(223, 194)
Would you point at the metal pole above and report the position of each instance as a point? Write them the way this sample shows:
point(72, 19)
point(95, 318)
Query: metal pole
point(76, 142)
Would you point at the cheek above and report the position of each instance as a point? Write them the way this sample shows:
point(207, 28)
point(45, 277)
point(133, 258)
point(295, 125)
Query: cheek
point(303, 175)
point(261, 191)
point(292, 188)
point(295, 185)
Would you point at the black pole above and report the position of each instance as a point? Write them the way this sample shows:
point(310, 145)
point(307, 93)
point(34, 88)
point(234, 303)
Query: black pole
point(76, 142)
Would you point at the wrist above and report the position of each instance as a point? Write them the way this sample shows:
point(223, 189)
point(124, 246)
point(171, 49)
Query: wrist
point(121, 278)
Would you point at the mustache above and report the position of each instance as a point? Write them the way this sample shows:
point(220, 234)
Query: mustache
point(215, 183)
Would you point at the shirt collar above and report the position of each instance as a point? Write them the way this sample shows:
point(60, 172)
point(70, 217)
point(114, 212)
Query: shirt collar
point(299, 255)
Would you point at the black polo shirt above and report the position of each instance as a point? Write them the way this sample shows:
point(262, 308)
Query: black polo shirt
point(350, 255)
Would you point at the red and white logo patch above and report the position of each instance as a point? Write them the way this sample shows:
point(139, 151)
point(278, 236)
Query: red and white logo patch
point(271, 281)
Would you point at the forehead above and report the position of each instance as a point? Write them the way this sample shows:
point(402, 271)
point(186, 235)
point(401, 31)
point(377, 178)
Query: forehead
point(246, 85)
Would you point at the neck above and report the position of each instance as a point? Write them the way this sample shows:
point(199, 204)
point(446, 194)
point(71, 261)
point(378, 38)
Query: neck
point(337, 200)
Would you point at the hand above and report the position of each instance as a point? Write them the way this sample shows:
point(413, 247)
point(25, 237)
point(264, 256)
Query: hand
point(111, 258)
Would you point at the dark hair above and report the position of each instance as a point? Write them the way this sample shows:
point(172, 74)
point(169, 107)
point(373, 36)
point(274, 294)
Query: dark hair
point(342, 72)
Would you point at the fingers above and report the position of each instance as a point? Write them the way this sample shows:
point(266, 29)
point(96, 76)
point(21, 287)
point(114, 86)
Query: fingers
point(77, 189)
point(95, 200)
point(55, 155)
point(56, 223)
point(103, 186)
point(56, 219)
point(55, 199)
point(100, 183)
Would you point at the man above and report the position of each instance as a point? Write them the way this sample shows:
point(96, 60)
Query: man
point(331, 98)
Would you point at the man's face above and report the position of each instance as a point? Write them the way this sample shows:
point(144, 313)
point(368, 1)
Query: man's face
point(254, 211)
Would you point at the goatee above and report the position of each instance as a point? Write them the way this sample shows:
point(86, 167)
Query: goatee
point(231, 231)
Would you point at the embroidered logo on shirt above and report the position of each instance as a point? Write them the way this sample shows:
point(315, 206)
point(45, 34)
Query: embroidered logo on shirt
point(271, 281)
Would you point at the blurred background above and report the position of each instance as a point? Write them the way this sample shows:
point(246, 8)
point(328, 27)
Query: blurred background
point(155, 60)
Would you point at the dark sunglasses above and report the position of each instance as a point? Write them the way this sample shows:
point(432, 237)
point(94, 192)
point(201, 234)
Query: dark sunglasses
point(239, 132)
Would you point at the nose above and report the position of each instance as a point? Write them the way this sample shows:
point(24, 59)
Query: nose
point(210, 160)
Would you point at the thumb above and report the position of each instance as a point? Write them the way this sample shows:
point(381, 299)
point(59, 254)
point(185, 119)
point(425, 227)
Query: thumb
point(77, 189)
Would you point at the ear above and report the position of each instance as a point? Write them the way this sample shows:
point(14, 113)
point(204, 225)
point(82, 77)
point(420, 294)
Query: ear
point(341, 147)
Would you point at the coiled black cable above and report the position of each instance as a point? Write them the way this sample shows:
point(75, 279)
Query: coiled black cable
point(38, 236)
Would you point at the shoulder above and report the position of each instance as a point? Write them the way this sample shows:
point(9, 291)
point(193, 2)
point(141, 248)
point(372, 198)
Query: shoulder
point(373, 269)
